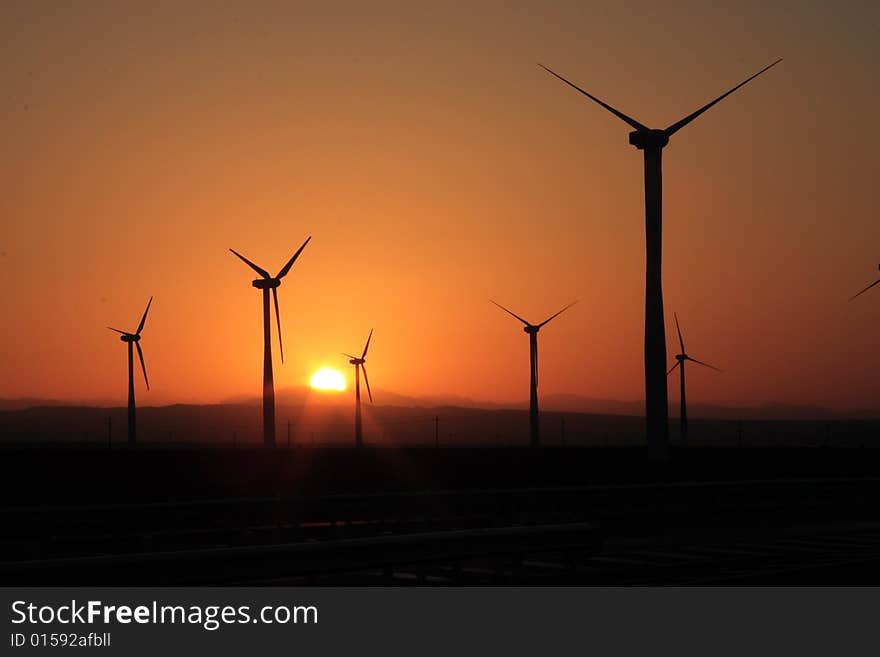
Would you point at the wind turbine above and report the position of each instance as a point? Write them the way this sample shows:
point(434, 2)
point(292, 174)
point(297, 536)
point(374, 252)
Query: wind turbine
point(680, 360)
point(266, 283)
point(651, 142)
point(867, 288)
point(134, 339)
point(360, 364)
point(532, 331)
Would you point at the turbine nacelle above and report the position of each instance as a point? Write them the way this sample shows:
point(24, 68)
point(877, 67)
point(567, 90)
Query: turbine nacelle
point(643, 137)
point(681, 357)
point(529, 327)
point(647, 140)
point(135, 338)
point(269, 282)
point(266, 283)
point(360, 366)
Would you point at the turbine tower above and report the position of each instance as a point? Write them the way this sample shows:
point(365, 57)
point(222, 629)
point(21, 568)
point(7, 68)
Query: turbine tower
point(532, 331)
point(360, 364)
point(867, 288)
point(266, 283)
point(134, 339)
point(652, 142)
point(680, 359)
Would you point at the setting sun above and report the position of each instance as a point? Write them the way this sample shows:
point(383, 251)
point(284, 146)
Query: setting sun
point(327, 379)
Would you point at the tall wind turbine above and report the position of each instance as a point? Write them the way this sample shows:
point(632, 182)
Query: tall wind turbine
point(134, 339)
point(680, 360)
point(360, 364)
point(652, 142)
point(266, 283)
point(867, 288)
point(532, 331)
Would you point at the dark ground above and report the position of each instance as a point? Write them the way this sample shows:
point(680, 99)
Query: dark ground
point(470, 516)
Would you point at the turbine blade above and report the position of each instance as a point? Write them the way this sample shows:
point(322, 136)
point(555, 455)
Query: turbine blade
point(367, 346)
point(678, 328)
point(144, 318)
point(286, 268)
point(143, 367)
point(620, 115)
point(119, 331)
point(278, 321)
point(672, 369)
point(262, 272)
point(557, 314)
point(349, 355)
point(675, 127)
point(367, 381)
point(511, 313)
point(851, 298)
point(699, 362)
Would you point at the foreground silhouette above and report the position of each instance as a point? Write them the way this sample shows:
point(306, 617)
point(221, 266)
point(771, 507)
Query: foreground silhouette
point(360, 364)
point(680, 360)
point(867, 288)
point(134, 339)
point(266, 283)
point(652, 142)
point(740, 499)
point(532, 331)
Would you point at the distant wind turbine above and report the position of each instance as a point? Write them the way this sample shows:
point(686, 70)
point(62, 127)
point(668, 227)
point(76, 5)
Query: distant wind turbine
point(360, 364)
point(134, 339)
point(532, 331)
point(867, 288)
point(680, 360)
point(266, 283)
point(652, 142)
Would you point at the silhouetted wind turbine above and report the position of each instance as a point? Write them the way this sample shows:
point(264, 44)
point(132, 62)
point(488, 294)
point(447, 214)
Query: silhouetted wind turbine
point(652, 142)
point(134, 339)
point(360, 364)
point(266, 283)
point(532, 330)
point(867, 288)
point(680, 359)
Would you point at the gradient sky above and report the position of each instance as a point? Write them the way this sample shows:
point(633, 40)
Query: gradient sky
point(437, 166)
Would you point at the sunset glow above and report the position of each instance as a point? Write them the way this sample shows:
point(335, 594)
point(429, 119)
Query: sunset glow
point(430, 185)
point(328, 379)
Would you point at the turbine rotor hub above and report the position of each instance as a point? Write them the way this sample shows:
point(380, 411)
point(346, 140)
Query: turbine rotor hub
point(357, 361)
point(531, 329)
point(647, 140)
point(266, 283)
point(681, 357)
point(129, 337)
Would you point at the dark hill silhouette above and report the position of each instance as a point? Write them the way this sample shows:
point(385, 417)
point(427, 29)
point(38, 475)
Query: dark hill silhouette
point(319, 418)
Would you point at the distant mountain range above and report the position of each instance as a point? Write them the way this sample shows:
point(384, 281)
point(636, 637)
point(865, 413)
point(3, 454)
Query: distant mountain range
point(312, 418)
point(557, 403)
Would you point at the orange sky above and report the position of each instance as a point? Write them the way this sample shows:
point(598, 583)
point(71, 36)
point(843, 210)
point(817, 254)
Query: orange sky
point(436, 166)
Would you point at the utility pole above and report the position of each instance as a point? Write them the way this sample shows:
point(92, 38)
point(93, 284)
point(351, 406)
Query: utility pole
point(437, 431)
